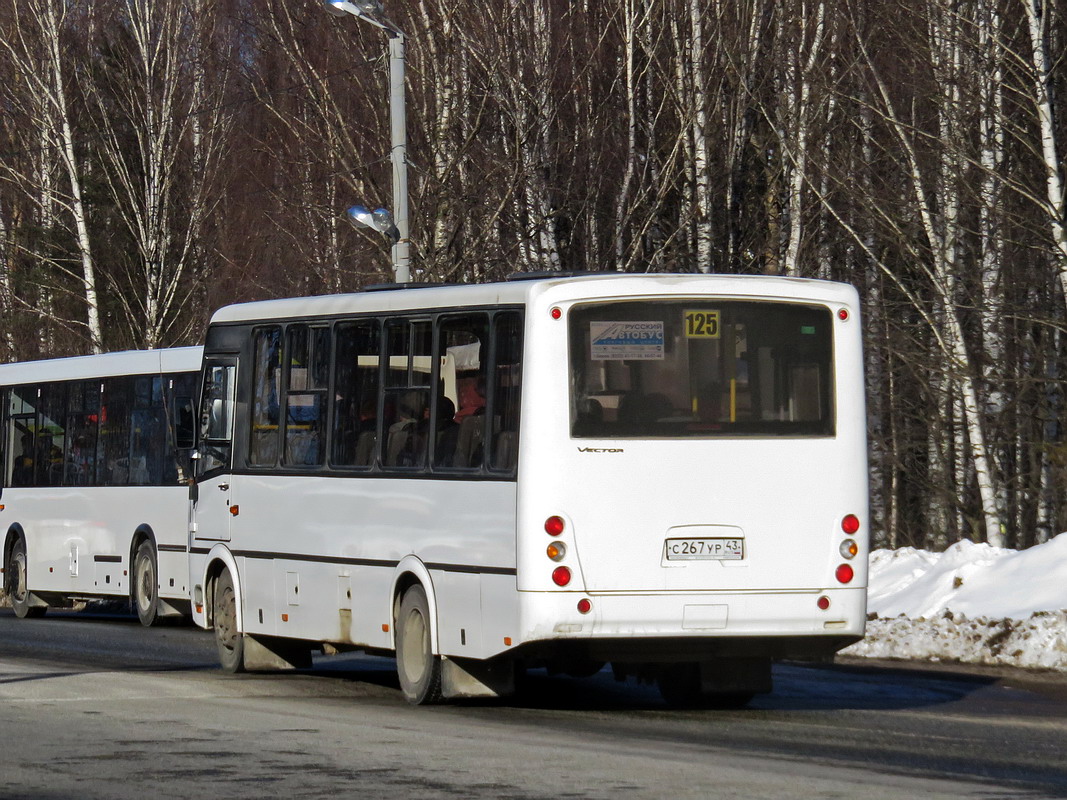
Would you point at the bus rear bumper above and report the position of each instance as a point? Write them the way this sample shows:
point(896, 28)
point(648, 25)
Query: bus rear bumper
point(619, 626)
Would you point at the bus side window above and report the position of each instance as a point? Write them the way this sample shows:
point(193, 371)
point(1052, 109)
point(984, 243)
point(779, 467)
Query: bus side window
point(355, 409)
point(83, 416)
point(113, 446)
point(507, 388)
point(406, 401)
point(463, 353)
point(266, 387)
point(148, 431)
point(308, 357)
point(180, 432)
point(51, 434)
point(20, 439)
point(5, 436)
point(216, 418)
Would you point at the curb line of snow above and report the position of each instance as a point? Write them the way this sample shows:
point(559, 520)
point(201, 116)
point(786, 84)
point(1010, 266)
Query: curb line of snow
point(1037, 642)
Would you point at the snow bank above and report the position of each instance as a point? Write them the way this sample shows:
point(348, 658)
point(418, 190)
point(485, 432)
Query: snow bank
point(973, 603)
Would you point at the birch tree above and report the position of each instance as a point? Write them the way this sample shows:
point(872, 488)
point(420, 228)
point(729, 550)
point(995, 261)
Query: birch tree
point(38, 51)
point(802, 62)
point(1039, 15)
point(159, 142)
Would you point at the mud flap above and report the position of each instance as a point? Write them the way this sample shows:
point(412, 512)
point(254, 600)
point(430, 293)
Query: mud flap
point(468, 677)
point(272, 653)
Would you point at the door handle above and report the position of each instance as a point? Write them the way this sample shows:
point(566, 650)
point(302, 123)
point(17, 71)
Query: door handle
point(224, 487)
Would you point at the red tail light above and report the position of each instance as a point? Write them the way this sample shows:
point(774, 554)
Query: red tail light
point(554, 526)
point(561, 576)
point(850, 524)
point(845, 574)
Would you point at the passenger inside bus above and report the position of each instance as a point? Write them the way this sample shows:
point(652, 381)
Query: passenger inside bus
point(471, 392)
point(22, 467)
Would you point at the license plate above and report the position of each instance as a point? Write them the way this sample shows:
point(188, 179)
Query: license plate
point(705, 549)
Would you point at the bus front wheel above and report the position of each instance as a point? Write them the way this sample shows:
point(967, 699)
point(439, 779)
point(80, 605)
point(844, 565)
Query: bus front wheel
point(146, 584)
point(17, 588)
point(227, 636)
point(418, 668)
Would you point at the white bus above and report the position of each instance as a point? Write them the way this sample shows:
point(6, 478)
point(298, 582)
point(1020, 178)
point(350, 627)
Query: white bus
point(685, 497)
point(95, 480)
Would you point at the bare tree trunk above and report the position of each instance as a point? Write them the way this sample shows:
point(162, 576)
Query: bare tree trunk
point(622, 204)
point(799, 124)
point(38, 28)
point(7, 298)
point(1038, 18)
point(705, 236)
point(943, 280)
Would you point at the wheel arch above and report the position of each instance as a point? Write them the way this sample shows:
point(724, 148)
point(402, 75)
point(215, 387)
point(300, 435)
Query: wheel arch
point(14, 532)
point(144, 533)
point(412, 571)
point(220, 559)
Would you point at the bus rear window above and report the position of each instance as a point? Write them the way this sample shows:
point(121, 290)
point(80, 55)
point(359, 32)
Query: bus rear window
point(701, 368)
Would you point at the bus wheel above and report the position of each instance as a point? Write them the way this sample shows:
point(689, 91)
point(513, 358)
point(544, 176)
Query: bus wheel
point(17, 588)
point(416, 665)
point(228, 638)
point(146, 584)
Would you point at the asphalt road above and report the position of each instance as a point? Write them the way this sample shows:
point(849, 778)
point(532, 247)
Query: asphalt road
point(97, 707)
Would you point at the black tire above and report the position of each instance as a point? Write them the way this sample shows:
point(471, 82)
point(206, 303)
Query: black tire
point(16, 585)
point(146, 584)
point(417, 667)
point(681, 687)
point(228, 638)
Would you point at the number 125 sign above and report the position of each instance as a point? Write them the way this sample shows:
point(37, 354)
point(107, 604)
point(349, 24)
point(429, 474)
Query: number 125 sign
point(702, 324)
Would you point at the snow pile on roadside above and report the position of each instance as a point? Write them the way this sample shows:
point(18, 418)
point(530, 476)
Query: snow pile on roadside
point(973, 603)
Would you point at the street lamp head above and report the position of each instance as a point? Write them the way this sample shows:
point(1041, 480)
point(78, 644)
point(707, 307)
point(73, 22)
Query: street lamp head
point(337, 7)
point(380, 220)
point(372, 8)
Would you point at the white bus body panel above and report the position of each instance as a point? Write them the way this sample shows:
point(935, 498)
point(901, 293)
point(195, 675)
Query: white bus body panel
point(79, 539)
point(75, 534)
point(318, 557)
point(622, 498)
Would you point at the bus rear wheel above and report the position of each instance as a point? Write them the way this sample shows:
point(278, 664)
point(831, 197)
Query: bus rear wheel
point(228, 638)
point(16, 585)
point(417, 667)
point(146, 584)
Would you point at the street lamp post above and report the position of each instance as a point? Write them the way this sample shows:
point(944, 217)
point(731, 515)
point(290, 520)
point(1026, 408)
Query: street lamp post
point(372, 12)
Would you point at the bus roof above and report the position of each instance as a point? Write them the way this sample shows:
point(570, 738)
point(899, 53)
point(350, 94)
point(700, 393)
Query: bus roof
point(519, 291)
point(127, 362)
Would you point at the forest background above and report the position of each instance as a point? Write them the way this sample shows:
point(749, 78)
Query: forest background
point(160, 158)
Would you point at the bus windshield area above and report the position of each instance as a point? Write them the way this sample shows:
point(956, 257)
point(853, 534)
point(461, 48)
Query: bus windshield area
point(701, 368)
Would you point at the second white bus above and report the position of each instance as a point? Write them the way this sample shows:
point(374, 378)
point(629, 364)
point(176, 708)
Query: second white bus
point(685, 497)
point(94, 490)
